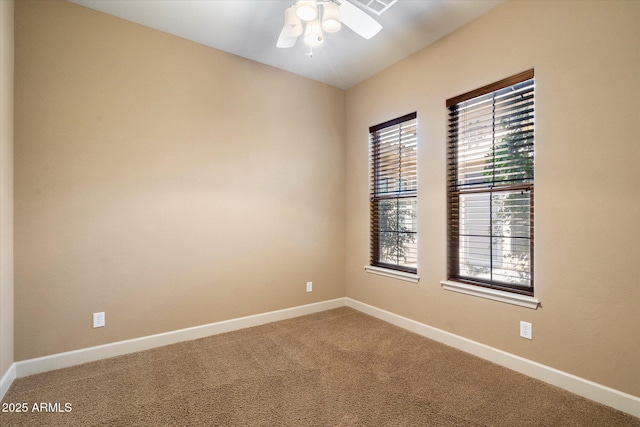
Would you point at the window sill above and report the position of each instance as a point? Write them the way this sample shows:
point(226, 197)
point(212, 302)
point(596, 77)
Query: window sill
point(492, 294)
point(400, 275)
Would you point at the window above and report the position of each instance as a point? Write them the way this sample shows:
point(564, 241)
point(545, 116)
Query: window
point(393, 194)
point(490, 185)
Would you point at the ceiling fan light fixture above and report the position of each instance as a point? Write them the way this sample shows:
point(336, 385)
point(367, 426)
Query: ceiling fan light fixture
point(313, 33)
point(292, 24)
point(309, 19)
point(307, 10)
point(331, 18)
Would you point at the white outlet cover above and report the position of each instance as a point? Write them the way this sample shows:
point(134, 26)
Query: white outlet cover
point(309, 286)
point(526, 330)
point(98, 320)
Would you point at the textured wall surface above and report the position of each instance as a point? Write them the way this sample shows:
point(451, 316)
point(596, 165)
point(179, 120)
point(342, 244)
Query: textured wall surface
point(165, 183)
point(6, 185)
point(587, 201)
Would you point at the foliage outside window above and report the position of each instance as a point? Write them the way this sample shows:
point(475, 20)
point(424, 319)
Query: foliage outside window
point(393, 193)
point(490, 185)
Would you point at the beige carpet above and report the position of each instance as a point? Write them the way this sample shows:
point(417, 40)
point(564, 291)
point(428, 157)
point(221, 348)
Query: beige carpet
point(336, 368)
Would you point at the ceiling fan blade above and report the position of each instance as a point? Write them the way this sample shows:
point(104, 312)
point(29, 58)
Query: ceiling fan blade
point(285, 41)
point(358, 20)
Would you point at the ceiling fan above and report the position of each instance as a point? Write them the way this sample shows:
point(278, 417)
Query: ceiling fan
point(312, 17)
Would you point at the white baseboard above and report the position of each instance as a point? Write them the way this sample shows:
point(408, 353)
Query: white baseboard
point(597, 392)
point(580, 386)
point(91, 354)
point(7, 380)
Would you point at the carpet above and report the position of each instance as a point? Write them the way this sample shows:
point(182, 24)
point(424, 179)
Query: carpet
point(335, 368)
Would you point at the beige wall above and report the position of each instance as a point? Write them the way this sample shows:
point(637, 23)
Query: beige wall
point(6, 185)
point(163, 182)
point(587, 65)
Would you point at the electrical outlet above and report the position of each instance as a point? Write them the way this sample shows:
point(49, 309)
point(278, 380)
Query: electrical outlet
point(99, 320)
point(525, 330)
point(309, 286)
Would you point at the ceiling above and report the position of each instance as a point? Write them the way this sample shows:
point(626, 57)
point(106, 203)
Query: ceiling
point(250, 28)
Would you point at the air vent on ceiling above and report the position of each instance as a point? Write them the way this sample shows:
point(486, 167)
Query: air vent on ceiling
point(375, 6)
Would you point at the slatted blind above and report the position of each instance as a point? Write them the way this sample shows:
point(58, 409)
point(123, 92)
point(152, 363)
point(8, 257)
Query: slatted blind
point(393, 193)
point(490, 185)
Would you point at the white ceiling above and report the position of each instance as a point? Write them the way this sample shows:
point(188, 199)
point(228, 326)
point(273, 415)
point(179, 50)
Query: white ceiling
point(250, 28)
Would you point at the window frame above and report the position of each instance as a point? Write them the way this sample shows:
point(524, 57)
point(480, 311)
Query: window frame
point(454, 191)
point(375, 197)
